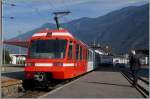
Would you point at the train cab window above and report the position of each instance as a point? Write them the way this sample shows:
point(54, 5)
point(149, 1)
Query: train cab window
point(77, 51)
point(70, 50)
point(48, 49)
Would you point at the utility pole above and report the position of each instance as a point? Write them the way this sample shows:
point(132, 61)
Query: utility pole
point(19, 55)
point(1, 35)
point(1, 32)
point(58, 15)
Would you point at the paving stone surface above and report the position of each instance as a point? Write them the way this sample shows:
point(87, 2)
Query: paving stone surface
point(102, 83)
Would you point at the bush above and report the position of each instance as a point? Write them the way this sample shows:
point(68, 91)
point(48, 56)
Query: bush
point(6, 59)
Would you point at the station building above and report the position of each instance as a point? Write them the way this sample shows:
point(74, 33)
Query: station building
point(18, 58)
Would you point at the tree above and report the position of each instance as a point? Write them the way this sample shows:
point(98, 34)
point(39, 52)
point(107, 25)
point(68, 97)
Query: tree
point(6, 58)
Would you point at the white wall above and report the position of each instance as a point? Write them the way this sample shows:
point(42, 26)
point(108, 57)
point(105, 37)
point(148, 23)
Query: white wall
point(120, 60)
point(17, 60)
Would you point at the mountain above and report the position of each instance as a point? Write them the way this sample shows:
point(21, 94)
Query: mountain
point(123, 29)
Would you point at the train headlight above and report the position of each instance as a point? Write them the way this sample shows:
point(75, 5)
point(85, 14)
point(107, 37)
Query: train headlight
point(29, 64)
point(58, 64)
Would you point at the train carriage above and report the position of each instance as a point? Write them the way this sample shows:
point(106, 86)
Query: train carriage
point(57, 54)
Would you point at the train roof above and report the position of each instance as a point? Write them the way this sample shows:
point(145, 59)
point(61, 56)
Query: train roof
point(47, 32)
point(61, 32)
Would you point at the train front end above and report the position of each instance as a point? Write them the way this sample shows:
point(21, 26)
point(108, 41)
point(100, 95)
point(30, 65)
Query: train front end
point(48, 56)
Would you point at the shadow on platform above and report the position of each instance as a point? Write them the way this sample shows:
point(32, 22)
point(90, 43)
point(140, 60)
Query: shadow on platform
point(110, 84)
point(106, 69)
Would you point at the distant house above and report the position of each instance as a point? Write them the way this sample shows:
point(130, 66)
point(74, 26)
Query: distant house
point(102, 50)
point(120, 60)
point(18, 58)
point(144, 56)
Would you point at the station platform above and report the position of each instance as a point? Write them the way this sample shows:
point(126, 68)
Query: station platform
point(102, 83)
point(11, 73)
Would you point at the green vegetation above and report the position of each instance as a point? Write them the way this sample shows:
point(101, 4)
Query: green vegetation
point(6, 58)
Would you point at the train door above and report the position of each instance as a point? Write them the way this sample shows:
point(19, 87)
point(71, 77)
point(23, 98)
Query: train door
point(84, 59)
point(70, 52)
point(78, 62)
point(71, 56)
point(81, 66)
point(90, 59)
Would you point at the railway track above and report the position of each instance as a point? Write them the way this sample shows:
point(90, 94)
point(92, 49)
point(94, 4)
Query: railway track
point(139, 87)
point(37, 92)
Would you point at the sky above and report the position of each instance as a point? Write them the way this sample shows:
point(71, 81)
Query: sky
point(30, 14)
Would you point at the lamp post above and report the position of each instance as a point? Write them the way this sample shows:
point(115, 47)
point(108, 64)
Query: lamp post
point(1, 31)
point(1, 36)
point(19, 56)
point(1, 41)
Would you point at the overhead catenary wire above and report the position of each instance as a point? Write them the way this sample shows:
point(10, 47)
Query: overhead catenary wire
point(10, 17)
point(36, 10)
point(6, 3)
point(53, 6)
point(67, 9)
point(50, 4)
point(63, 5)
point(57, 8)
point(3, 48)
point(67, 5)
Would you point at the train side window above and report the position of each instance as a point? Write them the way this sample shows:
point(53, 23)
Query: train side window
point(84, 54)
point(80, 53)
point(90, 55)
point(77, 51)
point(87, 55)
point(70, 50)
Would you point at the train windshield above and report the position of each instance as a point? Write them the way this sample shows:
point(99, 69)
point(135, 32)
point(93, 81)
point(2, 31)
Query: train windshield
point(48, 49)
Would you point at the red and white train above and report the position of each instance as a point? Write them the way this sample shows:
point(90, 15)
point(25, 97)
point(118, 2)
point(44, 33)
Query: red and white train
point(57, 54)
